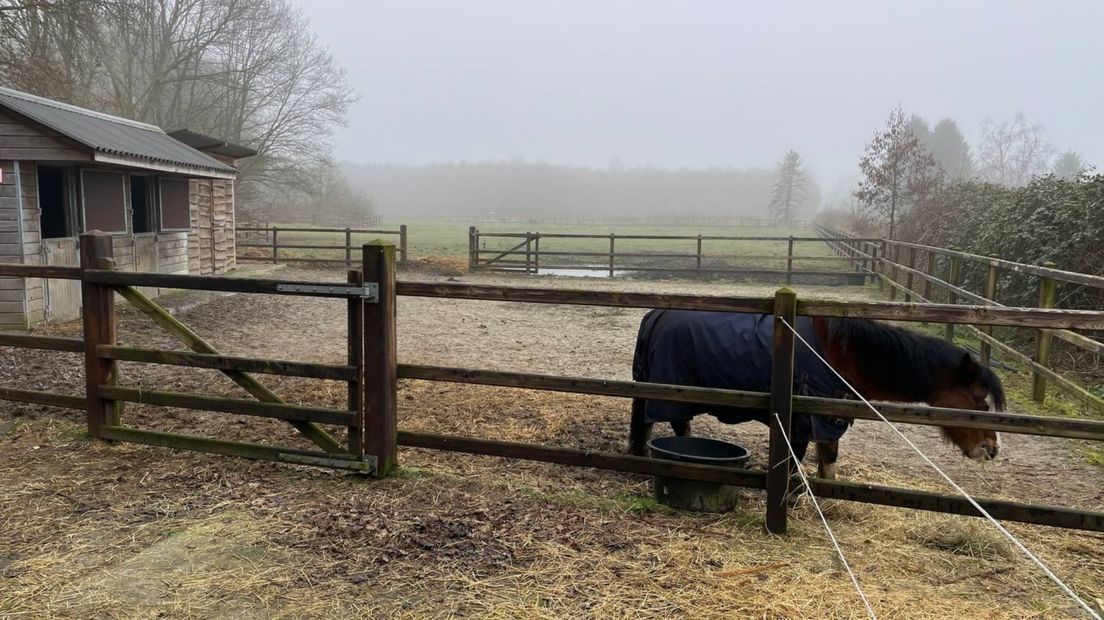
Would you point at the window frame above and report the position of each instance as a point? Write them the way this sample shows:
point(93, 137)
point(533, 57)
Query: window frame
point(161, 204)
point(126, 200)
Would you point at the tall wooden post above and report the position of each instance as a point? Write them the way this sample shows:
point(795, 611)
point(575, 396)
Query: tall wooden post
point(403, 255)
point(611, 256)
point(876, 265)
point(893, 271)
point(98, 314)
point(537, 253)
point(356, 360)
point(275, 231)
point(780, 465)
point(986, 349)
point(473, 249)
point(380, 372)
point(699, 255)
point(1047, 294)
point(789, 260)
point(953, 279)
point(930, 270)
point(348, 247)
point(528, 253)
point(908, 275)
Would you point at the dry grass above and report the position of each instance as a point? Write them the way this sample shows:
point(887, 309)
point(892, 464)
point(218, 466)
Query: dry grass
point(92, 530)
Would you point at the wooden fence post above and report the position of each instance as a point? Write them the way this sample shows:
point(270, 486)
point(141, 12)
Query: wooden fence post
point(986, 349)
point(893, 271)
point(953, 279)
point(380, 369)
point(930, 270)
point(537, 254)
point(908, 275)
point(780, 465)
point(611, 256)
point(699, 256)
point(402, 245)
point(473, 249)
point(789, 260)
point(348, 247)
point(528, 252)
point(356, 360)
point(274, 243)
point(1047, 294)
point(876, 265)
point(98, 314)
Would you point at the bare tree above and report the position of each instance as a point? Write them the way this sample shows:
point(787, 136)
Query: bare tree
point(897, 171)
point(249, 71)
point(1012, 153)
point(790, 191)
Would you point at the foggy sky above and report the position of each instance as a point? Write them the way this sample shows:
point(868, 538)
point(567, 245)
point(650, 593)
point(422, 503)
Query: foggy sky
point(689, 84)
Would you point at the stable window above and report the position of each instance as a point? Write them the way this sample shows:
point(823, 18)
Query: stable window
point(104, 197)
point(143, 203)
point(175, 214)
point(56, 197)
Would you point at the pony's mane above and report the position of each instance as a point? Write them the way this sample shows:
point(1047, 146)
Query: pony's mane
point(904, 361)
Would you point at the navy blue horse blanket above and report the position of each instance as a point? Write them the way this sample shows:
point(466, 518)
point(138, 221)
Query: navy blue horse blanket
point(731, 351)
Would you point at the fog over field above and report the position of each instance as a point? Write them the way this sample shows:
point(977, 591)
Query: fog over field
point(678, 85)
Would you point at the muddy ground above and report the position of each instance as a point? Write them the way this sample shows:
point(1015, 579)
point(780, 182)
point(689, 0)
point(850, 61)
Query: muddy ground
point(89, 529)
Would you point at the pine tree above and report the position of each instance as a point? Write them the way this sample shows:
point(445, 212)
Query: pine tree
point(1068, 165)
point(790, 191)
point(950, 150)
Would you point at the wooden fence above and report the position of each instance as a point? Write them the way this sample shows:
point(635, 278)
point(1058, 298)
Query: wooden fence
point(521, 252)
point(910, 269)
point(272, 239)
point(372, 372)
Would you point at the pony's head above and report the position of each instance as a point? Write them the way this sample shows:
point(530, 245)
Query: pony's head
point(890, 363)
point(970, 385)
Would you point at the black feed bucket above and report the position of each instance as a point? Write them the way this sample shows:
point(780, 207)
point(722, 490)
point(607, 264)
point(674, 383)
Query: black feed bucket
point(695, 494)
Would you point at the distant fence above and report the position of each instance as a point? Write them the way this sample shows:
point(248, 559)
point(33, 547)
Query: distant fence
point(324, 245)
point(521, 252)
point(910, 269)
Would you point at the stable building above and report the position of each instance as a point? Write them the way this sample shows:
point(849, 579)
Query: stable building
point(167, 202)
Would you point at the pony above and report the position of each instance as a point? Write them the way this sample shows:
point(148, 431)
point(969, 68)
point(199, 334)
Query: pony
point(882, 362)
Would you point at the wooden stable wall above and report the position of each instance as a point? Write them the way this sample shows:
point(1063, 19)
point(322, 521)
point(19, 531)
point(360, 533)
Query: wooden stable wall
point(211, 240)
point(26, 301)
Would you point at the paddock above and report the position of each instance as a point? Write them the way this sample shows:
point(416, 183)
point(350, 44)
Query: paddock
point(472, 534)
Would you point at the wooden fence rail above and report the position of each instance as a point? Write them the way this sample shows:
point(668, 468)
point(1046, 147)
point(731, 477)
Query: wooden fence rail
point(889, 271)
point(523, 254)
point(372, 373)
point(275, 238)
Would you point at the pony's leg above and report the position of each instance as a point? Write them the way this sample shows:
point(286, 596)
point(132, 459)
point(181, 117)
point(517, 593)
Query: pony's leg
point(827, 453)
point(681, 427)
point(639, 429)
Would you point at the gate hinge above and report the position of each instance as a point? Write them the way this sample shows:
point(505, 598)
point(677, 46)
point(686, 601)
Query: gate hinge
point(369, 292)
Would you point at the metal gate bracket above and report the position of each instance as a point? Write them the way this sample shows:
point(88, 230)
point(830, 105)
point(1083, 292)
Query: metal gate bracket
point(369, 292)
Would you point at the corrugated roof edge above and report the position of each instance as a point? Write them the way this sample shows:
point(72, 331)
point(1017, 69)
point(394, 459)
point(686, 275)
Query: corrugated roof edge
point(78, 110)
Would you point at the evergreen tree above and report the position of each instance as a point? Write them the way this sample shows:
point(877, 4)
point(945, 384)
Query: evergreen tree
point(950, 150)
point(1069, 165)
point(791, 190)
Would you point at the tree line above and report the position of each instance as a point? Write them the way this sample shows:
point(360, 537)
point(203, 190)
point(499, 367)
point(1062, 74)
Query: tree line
point(1013, 195)
point(518, 190)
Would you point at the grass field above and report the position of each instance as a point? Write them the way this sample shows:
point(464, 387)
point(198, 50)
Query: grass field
point(449, 238)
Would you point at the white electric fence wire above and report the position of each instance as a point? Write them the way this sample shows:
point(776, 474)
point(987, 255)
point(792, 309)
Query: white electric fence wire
point(827, 528)
point(1023, 549)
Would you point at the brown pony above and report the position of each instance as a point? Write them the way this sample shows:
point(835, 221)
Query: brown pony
point(882, 362)
point(893, 364)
